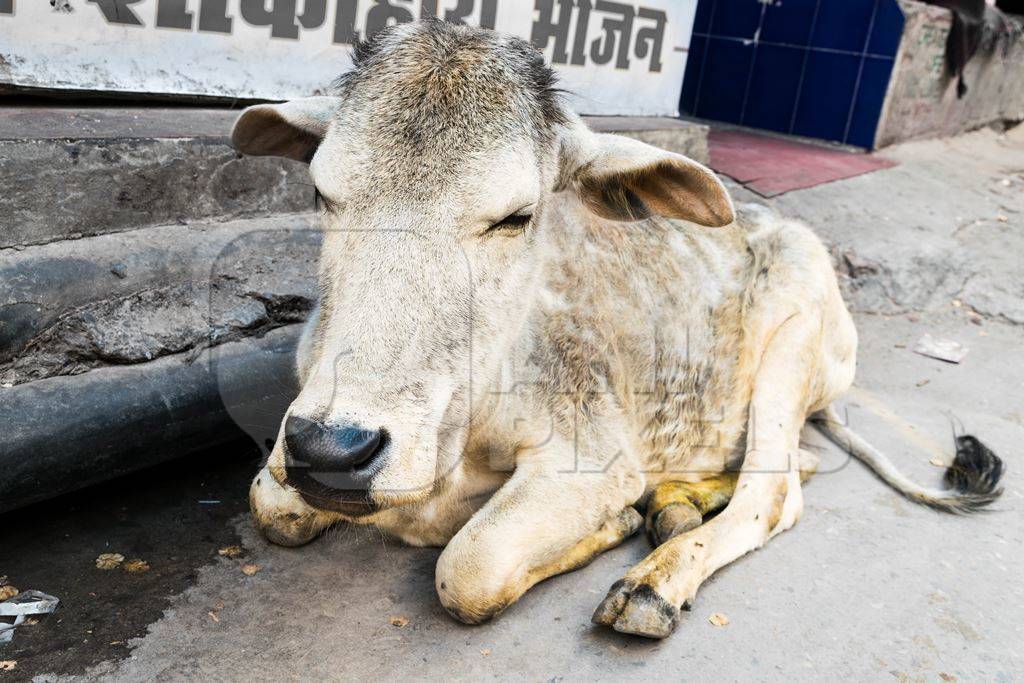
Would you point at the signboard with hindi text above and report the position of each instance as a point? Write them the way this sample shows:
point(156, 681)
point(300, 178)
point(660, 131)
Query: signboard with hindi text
point(615, 58)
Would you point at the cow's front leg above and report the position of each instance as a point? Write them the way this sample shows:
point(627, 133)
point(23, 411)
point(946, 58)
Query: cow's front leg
point(547, 519)
point(767, 500)
point(281, 515)
point(649, 599)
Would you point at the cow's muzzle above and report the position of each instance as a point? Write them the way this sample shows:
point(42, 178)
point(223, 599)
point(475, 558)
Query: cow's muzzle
point(332, 466)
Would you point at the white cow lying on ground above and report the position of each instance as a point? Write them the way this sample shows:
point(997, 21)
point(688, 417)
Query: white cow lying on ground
point(526, 329)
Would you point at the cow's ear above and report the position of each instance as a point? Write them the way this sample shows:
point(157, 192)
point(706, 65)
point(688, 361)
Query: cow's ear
point(293, 129)
point(626, 180)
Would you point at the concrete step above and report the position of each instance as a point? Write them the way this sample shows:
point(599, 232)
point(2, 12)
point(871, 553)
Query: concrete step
point(69, 173)
point(134, 233)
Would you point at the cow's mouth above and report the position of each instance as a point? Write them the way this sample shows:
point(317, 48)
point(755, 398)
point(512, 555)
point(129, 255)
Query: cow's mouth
point(351, 503)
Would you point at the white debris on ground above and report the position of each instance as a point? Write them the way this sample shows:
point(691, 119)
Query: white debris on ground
point(941, 349)
point(15, 610)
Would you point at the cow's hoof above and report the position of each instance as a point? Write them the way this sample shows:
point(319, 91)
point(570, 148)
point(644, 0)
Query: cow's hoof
point(673, 520)
point(637, 609)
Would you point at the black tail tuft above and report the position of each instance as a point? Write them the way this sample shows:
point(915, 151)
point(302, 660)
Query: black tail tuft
point(975, 473)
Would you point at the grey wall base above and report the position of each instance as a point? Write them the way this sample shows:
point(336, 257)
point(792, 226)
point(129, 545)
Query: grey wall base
point(922, 102)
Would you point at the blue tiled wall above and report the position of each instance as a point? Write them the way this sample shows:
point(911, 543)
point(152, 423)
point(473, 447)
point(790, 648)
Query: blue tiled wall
point(818, 68)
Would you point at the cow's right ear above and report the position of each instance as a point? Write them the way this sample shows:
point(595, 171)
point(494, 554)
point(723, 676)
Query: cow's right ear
point(293, 129)
point(623, 179)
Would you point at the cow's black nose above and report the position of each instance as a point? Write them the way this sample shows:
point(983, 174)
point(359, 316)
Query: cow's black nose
point(336, 458)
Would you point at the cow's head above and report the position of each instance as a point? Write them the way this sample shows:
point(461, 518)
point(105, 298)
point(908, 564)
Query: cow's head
point(436, 161)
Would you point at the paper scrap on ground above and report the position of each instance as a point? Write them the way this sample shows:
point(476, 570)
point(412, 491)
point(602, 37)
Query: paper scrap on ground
point(109, 560)
point(941, 349)
point(135, 566)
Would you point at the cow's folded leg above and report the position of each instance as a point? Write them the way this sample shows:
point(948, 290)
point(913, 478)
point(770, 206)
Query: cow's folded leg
point(612, 533)
point(676, 507)
point(546, 519)
point(767, 500)
point(281, 514)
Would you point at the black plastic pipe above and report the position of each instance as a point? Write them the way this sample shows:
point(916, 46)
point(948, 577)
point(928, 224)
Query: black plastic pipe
point(65, 433)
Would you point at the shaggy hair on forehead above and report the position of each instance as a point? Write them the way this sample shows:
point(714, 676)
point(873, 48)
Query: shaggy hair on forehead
point(442, 82)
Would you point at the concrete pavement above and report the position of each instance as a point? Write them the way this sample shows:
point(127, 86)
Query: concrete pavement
point(866, 586)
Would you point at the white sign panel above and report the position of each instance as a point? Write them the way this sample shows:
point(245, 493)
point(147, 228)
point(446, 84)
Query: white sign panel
point(614, 57)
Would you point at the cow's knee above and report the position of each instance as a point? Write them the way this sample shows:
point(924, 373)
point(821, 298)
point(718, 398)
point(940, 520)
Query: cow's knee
point(474, 584)
point(280, 513)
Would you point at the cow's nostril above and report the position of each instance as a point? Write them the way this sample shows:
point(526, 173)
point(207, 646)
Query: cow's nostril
point(328, 448)
point(358, 446)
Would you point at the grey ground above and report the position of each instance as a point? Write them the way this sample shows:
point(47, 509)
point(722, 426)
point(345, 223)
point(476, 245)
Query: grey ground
point(866, 586)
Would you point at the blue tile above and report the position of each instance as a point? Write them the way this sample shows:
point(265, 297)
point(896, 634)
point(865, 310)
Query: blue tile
point(790, 22)
point(736, 18)
point(773, 87)
point(726, 69)
point(694, 59)
point(843, 24)
point(885, 38)
point(826, 96)
point(874, 82)
point(702, 20)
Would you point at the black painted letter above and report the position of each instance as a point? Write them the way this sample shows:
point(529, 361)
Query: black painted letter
point(118, 12)
point(173, 14)
point(345, 22)
point(651, 38)
point(213, 16)
point(280, 18)
point(384, 14)
point(545, 28)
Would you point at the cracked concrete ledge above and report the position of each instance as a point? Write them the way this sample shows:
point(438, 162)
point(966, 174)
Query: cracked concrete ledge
point(129, 240)
point(131, 298)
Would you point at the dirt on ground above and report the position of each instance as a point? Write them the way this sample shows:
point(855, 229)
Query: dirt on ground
point(165, 522)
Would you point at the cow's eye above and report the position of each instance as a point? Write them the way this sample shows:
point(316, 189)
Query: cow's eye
point(514, 222)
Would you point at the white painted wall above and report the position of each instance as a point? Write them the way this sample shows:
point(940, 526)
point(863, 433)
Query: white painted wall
point(219, 48)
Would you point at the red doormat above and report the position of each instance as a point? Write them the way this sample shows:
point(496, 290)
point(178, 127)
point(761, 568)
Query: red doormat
point(770, 166)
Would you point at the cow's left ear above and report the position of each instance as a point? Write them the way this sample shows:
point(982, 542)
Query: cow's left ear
point(293, 129)
point(627, 180)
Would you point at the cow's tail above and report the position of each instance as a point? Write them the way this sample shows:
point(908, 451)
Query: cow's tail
point(973, 478)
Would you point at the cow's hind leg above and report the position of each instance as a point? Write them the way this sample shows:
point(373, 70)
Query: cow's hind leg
point(676, 507)
point(767, 499)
